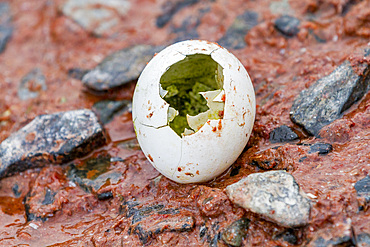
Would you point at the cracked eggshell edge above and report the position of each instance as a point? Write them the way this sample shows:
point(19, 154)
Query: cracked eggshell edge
point(210, 151)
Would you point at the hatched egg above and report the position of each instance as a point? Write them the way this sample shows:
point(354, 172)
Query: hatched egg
point(193, 110)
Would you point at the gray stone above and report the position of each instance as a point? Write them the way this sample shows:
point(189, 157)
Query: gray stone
point(96, 16)
point(170, 8)
point(363, 240)
point(108, 109)
point(282, 134)
point(119, 68)
point(320, 148)
point(274, 195)
point(287, 25)
point(55, 138)
point(327, 99)
point(234, 36)
point(233, 234)
point(6, 28)
point(362, 188)
point(32, 84)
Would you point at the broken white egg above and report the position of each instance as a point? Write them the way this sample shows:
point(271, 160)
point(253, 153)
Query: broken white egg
point(193, 110)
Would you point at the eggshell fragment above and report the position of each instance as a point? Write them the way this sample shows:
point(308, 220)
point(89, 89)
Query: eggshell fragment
point(196, 155)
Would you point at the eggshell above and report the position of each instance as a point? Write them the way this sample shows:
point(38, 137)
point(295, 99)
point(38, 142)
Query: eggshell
point(205, 154)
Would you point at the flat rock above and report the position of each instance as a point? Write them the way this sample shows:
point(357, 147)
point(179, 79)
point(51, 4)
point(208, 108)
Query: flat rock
point(287, 25)
point(148, 221)
point(320, 148)
point(32, 84)
point(108, 109)
point(327, 99)
point(119, 68)
point(274, 195)
point(234, 36)
point(282, 134)
point(6, 28)
point(55, 138)
point(96, 16)
point(170, 8)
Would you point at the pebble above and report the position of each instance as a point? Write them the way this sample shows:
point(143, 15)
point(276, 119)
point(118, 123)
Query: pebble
point(170, 8)
point(233, 234)
point(96, 16)
point(32, 84)
point(327, 99)
point(106, 110)
point(6, 28)
point(234, 36)
point(282, 134)
point(321, 148)
point(119, 68)
point(275, 195)
point(287, 25)
point(55, 138)
point(362, 188)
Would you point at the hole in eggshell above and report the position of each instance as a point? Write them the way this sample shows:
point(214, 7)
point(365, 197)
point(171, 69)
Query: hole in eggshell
point(193, 87)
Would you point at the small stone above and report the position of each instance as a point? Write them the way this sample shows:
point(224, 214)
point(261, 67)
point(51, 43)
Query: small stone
point(234, 36)
point(119, 68)
point(321, 148)
point(55, 138)
point(363, 188)
point(32, 84)
point(288, 236)
point(233, 234)
point(96, 16)
point(94, 173)
point(108, 109)
point(77, 73)
point(327, 99)
point(274, 195)
point(287, 25)
point(6, 28)
point(282, 134)
point(170, 8)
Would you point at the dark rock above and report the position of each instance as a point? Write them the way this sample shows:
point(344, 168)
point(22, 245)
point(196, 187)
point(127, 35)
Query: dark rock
point(233, 234)
point(202, 231)
point(97, 16)
point(274, 195)
point(108, 109)
point(32, 84)
point(119, 68)
point(235, 171)
point(363, 188)
point(188, 28)
point(321, 148)
point(77, 73)
point(170, 8)
point(148, 221)
point(234, 36)
point(49, 197)
point(16, 191)
point(94, 173)
point(327, 99)
point(282, 134)
point(105, 195)
point(287, 25)
point(6, 28)
point(55, 138)
point(288, 236)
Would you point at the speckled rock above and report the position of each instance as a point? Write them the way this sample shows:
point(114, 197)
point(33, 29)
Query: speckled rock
point(170, 8)
point(108, 109)
point(119, 68)
point(55, 138)
point(96, 16)
point(287, 25)
point(234, 36)
point(274, 195)
point(32, 84)
point(233, 234)
point(327, 99)
point(6, 28)
point(282, 134)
